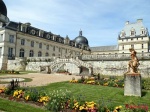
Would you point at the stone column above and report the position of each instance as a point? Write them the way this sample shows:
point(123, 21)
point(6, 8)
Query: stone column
point(132, 84)
point(90, 71)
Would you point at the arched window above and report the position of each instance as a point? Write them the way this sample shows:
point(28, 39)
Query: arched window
point(39, 54)
point(31, 54)
point(53, 54)
point(46, 54)
point(21, 54)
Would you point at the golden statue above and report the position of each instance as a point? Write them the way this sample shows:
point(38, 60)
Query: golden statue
point(133, 63)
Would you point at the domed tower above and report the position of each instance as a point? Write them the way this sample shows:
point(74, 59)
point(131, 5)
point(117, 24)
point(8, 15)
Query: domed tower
point(3, 13)
point(81, 39)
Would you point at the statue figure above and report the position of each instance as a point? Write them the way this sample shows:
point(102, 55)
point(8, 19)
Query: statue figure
point(133, 63)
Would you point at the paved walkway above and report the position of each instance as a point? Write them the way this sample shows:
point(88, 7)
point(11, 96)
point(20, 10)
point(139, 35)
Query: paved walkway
point(40, 79)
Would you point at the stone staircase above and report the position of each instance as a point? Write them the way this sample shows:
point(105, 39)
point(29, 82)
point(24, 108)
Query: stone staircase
point(56, 64)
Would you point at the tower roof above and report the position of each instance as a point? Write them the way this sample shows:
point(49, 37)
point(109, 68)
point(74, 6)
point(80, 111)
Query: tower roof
point(3, 9)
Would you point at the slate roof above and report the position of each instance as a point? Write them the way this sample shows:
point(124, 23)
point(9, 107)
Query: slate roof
point(104, 48)
point(12, 25)
point(137, 26)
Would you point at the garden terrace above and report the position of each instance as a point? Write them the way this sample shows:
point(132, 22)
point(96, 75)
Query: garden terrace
point(113, 57)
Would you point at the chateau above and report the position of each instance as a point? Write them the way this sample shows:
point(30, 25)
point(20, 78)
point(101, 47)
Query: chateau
point(24, 47)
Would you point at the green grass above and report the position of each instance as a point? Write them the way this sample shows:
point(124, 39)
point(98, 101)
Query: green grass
point(107, 95)
point(25, 80)
point(11, 106)
point(20, 73)
point(100, 93)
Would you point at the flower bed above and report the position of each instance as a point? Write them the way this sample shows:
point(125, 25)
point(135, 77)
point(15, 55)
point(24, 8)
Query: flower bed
point(9, 72)
point(103, 81)
point(60, 100)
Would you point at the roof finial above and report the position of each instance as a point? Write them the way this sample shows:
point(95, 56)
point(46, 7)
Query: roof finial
point(80, 32)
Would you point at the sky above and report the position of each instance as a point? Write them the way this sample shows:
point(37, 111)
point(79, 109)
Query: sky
point(100, 20)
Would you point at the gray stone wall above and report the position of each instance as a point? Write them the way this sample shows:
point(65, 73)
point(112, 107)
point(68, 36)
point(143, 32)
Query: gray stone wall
point(118, 68)
point(106, 67)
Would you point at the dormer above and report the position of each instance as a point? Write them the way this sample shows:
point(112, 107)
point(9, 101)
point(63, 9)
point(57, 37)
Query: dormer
point(132, 32)
point(23, 27)
point(41, 33)
point(54, 37)
point(67, 40)
point(142, 31)
point(122, 34)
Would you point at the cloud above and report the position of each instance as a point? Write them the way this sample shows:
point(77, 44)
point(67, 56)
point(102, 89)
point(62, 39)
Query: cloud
point(100, 20)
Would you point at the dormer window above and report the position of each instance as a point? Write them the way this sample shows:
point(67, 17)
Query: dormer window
point(33, 32)
point(23, 28)
point(54, 38)
point(48, 36)
point(132, 33)
point(41, 33)
point(122, 34)
point(142, 31)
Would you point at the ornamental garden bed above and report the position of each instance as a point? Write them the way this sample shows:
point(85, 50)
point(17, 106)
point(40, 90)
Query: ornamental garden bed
point(61, 100)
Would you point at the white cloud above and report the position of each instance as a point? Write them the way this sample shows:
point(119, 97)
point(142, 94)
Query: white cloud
point(100, 20)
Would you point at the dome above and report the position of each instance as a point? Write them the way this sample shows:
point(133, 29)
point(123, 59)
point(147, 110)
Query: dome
point(3, 9)
point(81, 39)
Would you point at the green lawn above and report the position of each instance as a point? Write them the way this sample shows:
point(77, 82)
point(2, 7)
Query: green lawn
point(11, 106)
point(104, 95)
point(97, 93)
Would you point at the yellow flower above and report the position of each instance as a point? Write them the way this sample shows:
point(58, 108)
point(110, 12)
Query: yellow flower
point(27, 97)
point(120, 107)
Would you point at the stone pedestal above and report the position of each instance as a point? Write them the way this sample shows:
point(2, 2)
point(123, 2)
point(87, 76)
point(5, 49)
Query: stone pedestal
point(132, 84)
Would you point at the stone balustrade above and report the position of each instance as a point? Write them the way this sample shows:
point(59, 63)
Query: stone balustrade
point(113, 57)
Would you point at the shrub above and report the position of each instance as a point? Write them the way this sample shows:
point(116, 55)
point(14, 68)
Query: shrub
point(146, 84)
point(31, 94)
point(58, 100)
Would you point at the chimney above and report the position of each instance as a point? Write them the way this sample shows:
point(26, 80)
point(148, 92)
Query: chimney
point(139, 20)
point(127, 22)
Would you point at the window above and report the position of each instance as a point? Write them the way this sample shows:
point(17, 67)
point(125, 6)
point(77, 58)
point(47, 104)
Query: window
point(53, 54)
point(59, 49)
point(11, 38)
point(32, 43)
point(142, 53)
point(22, 41)
point(47, 47)
point(54, 48)
point(123, 47)
point(23, 29)
point(31, 54)
point(39, 54)
point(40, 45)
point(142, 46)
point(0, 51)
point(132, 46)
point(21, 53)
point(132, 33)
point(10, 52)
point(66, 50)
point(1, 37)
point(46, 54)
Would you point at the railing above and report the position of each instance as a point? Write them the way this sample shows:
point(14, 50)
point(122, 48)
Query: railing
point(111, 57)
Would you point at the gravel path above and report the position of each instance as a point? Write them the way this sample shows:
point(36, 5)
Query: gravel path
point(40, 79)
